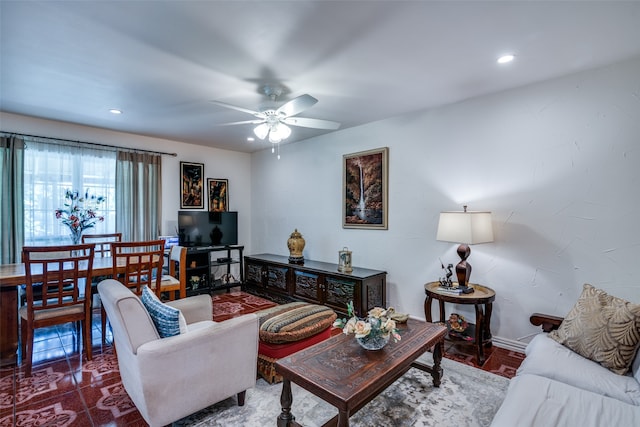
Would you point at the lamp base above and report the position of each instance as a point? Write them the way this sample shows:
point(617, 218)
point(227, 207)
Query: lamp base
point(466, 290)
point(463, 269)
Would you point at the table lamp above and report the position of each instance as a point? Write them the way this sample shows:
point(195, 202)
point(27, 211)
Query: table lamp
point(466, 228)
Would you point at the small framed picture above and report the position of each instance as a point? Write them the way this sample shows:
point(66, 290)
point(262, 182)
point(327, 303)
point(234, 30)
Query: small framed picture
point(192, 185)
point(365, 189)
point(218, 194)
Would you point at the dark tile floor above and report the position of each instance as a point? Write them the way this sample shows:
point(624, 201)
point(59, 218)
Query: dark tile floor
point(66, 390)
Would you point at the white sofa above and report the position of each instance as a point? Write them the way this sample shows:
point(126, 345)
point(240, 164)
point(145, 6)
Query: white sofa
point(170, 378)
point(555, 386)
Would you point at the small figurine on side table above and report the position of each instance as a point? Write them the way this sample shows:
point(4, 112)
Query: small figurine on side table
point(446, 282)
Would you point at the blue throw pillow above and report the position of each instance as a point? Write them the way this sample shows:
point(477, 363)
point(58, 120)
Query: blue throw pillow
point(166, 318)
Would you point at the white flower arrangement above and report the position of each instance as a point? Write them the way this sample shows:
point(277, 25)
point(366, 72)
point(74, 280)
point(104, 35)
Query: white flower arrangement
point(378, 323)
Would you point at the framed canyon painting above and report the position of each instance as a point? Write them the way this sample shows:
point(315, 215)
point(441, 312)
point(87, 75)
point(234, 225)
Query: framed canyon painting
point(365, 189)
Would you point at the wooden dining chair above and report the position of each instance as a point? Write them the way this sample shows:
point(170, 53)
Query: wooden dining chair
point(54, 253)
point(65, 292)
point(102, 244)
point(176, 280)
point(136, 265)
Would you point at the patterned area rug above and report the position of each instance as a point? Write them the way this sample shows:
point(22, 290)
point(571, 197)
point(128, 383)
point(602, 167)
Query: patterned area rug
point(467, 397)
point(232, 304)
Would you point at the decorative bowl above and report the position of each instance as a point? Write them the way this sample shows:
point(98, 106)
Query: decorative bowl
point(373, 342)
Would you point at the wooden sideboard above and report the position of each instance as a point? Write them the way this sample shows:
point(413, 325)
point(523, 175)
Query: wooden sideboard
point(273, 277)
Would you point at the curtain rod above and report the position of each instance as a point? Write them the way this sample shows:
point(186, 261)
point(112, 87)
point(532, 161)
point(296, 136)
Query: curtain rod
point(96, 144)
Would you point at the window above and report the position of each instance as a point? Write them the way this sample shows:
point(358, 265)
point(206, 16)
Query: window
point(52, 169)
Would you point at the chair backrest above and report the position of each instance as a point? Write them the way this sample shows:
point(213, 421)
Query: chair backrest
point(178, 255)
point(138, 264)
point(178, 258)
point(54, 253)
point(102, 242)
point(65, 273)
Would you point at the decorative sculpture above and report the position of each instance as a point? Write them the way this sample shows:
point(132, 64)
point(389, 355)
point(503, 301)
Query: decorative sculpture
point(446, 282)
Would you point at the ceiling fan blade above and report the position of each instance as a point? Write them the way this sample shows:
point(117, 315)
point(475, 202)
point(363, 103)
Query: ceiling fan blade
point(244, 110)
point(311, 123)
point(243, 122)
point(297, 105)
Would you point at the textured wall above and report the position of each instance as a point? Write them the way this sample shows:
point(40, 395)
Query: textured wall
point(556, 163)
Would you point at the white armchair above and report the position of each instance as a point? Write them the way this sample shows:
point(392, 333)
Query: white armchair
point(173, 377)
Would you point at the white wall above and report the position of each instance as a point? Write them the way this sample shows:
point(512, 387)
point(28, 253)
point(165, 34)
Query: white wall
point(556, 163)
point(231, 165)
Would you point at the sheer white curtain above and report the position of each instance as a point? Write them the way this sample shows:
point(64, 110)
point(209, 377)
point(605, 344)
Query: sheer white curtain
point(139, 195)
point(50, 170)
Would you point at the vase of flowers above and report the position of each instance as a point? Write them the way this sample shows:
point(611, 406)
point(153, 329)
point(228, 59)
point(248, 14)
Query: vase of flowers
point(79, 213)
point(372, 332)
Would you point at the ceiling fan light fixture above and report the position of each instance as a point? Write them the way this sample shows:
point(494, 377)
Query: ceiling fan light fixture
point(261, 131)
point(279, 132)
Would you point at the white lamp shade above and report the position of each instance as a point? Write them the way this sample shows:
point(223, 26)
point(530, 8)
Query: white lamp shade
point(279, 132)
point(261, 130)
point(465, 227)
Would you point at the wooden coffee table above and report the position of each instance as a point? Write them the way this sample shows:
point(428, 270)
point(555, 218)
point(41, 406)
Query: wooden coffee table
point(347, 376)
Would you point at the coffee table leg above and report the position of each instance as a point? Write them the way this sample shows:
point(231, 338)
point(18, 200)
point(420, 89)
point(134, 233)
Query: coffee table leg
point(286, 418)
point(343, 419)
point(436, 371)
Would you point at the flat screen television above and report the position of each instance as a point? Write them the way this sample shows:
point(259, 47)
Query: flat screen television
point(207, 228)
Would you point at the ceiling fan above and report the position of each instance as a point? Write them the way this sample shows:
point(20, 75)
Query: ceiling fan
point(272, 122)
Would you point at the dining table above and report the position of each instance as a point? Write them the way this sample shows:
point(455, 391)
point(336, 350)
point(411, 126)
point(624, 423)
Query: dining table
point(12, 276)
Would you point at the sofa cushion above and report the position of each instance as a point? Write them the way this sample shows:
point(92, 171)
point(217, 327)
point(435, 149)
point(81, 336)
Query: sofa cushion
point(294, 321)
point(603, 328)
point(547, 358)
point(533, 400)
point(167, 320)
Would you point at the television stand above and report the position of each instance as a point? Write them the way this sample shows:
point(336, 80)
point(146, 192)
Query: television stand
point(210, 268)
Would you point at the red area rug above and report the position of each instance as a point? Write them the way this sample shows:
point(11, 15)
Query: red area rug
point(233, 304)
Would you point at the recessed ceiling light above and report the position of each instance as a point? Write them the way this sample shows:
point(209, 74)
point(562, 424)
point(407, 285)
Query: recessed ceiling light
point(505, 59)
point(115, 111)
point(251, 139)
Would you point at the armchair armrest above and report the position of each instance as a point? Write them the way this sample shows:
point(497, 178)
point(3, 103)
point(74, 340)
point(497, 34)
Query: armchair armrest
point(203, 366)
point(194, 309)
point(547, 321)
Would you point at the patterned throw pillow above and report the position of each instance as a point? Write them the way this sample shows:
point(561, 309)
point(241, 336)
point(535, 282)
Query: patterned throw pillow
point(165, 318)
point(602, 328)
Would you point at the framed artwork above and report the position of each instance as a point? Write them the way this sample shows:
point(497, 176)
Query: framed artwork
point(192, 185)
point(218, 194)
point(365, 189)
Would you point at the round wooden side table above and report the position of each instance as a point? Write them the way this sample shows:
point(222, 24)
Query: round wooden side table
point(478, 334)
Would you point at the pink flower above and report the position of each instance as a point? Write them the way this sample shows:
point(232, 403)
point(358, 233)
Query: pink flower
point(79, 213)
point(362, 329)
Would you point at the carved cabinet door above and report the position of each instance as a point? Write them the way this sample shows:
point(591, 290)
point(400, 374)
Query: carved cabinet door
point(338, 292)
point(307, 286)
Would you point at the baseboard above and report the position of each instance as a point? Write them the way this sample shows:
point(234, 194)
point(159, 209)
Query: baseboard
point(509, 344)
point(505, 343)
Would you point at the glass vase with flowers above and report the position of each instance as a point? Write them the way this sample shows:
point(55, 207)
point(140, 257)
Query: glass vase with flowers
point(372, 332)
point(79, 213)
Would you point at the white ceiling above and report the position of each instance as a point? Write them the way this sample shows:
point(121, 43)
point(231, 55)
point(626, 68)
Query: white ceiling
point(161, 62)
